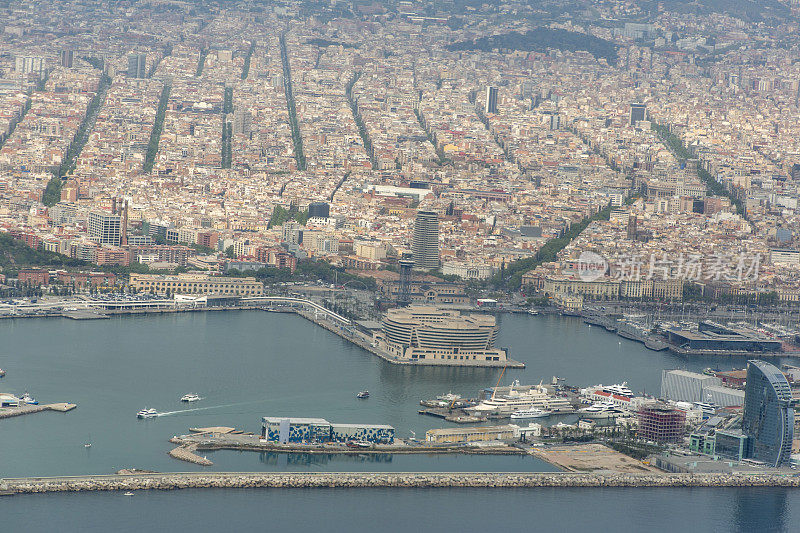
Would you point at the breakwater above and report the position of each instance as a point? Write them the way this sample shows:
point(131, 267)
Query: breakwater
point(382, 479)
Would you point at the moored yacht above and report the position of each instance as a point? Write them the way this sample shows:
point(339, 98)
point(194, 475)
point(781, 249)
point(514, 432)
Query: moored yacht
point(30, 400)
point(524, 414)
point(600, 410)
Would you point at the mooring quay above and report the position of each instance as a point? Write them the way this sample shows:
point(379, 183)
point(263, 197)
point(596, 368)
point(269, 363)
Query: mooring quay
point(196, 480)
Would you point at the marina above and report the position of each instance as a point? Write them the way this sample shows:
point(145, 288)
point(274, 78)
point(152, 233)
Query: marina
point(333, 369)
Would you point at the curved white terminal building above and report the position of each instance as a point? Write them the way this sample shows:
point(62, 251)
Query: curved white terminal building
point(434, 335)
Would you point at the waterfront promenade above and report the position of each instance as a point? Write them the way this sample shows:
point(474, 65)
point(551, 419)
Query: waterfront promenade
point(194, 480)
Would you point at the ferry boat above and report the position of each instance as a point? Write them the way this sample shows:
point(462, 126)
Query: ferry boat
point(363, 395)
point(191, 397)
point(147, 413)
point(524, 414)
point(30, 400)
point(600, 410)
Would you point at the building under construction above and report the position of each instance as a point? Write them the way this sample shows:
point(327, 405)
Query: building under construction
point(660, 423)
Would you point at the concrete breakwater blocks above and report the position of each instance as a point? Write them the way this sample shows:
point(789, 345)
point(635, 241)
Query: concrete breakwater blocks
point(383, 480)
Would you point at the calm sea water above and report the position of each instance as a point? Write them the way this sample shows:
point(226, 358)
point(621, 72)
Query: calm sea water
point(405, 510)
point(252, 364)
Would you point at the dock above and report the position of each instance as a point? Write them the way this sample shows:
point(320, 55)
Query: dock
point(8, 412)
point(458, 416)
point(84, 314)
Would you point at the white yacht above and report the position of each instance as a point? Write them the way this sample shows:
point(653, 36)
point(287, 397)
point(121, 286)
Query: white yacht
point(600, 410)
point(536, 397)
point(191, 397)
point(524, 414)
point(30, 400)
point(147, 413)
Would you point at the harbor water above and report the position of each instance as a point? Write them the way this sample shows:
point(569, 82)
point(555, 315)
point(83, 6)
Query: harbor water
point(404, 510)
point(249, 364)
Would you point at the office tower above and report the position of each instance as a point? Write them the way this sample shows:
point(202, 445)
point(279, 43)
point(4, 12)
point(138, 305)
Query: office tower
point(29, 65)
point(491, 100)
point(638, 112)
point(319, 210)
point(555, 122)
point(633, 229)
point(242, 122)
point(137, 65)
point(105, 228)
point(768, 417)
point(66, 58)
point(292, 233)
point(425, 246)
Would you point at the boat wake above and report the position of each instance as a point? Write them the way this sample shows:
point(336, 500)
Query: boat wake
point(169, 413)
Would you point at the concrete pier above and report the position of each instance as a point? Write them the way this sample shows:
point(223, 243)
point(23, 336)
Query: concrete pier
point(195, 480)
point(8, 412)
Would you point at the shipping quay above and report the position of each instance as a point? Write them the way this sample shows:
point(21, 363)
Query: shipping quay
point(216, 480)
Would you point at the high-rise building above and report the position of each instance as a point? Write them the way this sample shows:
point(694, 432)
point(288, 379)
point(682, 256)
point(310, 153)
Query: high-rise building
point(638, 112)
point(29, 65)
point(425, 246)
point(555, 122)
point(632, 228)
point(292, 232)
point(66, 58)
point(242, 122)
point(319, 210)
point(137, 65)
point(105, 228)
point(768, 417)
point(660, 423)
point(491, 100)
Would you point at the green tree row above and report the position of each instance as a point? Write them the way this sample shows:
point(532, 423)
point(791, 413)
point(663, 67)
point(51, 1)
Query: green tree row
point(511, 276)
point(679, 149)
point(362, 129)
point(297, 138)
point(247, 58)
point(82, 135)
point(155, 134)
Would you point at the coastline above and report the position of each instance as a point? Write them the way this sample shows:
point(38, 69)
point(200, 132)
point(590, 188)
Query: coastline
point(186, 480)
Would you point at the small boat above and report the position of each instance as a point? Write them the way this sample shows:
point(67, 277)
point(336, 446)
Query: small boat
point(30, 400)
point(147, 413)
point(191, 397)
point(87, 445)
point(533, 412)
point(363, 394)
point(129, 493)
point(2, 372)
point(358, 444)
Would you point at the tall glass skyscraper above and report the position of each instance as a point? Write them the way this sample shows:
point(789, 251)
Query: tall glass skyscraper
point(768, 418)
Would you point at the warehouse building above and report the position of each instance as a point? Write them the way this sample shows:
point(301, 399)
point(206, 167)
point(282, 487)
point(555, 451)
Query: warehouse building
point(684, 386)
point(473, 434)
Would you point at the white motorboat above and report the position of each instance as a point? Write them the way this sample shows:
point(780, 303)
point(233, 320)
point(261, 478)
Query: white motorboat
point(524, 414)
point(147, 413)
point(191, 397)
point(600, 410)
point(30, 400)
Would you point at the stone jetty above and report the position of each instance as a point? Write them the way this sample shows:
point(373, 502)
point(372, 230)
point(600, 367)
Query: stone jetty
point(382, 479)
point(186, 453)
